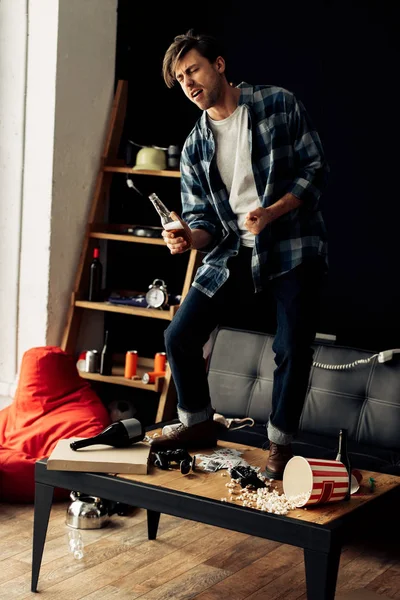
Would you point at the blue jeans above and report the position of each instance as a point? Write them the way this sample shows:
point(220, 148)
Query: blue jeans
point(297, 297)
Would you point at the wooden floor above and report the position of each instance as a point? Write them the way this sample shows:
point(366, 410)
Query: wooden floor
point(188, 560)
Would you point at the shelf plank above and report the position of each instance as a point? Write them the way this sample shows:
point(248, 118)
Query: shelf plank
point(153, 313)
point(121, 380)
point(121, 167)
point(127, 238)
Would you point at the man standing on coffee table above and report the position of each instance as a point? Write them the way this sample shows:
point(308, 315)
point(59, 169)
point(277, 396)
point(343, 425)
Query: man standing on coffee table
point(252, 171)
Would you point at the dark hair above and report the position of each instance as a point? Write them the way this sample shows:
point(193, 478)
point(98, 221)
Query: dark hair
point(206, 45)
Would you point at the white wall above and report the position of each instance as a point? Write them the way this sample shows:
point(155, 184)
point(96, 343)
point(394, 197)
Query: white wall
point(85, 77)
point(63, 53)
point(13, 49)
point(38, 174)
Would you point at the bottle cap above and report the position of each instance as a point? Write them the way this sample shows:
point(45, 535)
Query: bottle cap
point(96, 253)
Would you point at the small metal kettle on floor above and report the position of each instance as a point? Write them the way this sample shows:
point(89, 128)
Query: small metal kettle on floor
point(87, 512)
point(92, 512)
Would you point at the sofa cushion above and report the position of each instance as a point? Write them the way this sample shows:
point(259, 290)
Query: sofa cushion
point(364, 399)
point(51, 402)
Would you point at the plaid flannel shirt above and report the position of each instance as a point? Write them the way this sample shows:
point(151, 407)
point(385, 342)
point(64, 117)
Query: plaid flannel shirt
point(287, 156)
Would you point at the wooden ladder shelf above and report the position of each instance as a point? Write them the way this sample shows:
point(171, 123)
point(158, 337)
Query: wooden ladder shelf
point(109, 167)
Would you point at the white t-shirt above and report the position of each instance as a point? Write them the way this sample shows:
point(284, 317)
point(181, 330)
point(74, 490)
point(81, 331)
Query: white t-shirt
point(234, 164)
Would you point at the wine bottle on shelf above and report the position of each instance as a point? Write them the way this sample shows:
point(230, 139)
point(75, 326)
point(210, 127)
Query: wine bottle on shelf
point(167, 221)
point(106, 358)
point(120, 434)
point(343, 457)
point(95, 277)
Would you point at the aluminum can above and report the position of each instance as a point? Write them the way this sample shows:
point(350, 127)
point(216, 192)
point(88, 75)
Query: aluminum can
point(150, 376)
point(92, 361)
point(173, 157)
point(160, 360)
point(131, 360)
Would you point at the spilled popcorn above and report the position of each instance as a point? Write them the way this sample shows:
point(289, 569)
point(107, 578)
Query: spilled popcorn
point(264, 499)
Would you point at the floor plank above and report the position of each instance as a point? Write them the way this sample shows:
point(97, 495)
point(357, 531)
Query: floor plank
point(362, 594)
point(388, 583)
point(363, 570)
point(188, 560)
point(258, 574)
point(161, 567)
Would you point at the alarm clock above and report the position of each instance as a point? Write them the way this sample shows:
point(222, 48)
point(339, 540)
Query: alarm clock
point(157, 296)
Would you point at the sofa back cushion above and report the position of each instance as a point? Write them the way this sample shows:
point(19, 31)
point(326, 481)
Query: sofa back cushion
point(364, 399)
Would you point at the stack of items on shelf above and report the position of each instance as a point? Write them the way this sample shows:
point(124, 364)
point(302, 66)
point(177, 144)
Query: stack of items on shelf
point(91, 362)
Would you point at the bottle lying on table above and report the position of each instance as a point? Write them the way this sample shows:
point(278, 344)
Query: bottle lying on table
point(120, 434)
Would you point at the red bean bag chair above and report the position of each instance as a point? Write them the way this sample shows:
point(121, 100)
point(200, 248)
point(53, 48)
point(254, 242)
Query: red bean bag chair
point(52, 402)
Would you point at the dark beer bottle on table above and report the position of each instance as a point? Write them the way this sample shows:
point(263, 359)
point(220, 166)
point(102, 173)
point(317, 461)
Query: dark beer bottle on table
point(343, 457)
point(120, 434)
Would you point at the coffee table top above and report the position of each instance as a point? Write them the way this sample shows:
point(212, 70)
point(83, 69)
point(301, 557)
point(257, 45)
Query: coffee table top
point(213, 485)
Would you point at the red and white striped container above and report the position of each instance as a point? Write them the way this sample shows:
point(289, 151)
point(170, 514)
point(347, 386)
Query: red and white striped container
point(315, 481)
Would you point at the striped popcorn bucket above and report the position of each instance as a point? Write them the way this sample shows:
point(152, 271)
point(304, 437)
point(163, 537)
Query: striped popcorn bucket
point(315, 481)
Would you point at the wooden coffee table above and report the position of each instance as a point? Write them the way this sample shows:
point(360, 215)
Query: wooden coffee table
point(197, 496)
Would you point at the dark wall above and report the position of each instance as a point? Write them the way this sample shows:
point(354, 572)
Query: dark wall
point(342, 60)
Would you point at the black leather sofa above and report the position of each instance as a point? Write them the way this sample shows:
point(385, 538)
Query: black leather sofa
point(364, 399)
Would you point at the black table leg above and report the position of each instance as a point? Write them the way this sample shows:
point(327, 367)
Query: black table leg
point(321, 572)
point(43, 502)
point(153, 518)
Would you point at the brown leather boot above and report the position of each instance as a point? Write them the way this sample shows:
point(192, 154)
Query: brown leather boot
point(277, 460)
point(201, 435)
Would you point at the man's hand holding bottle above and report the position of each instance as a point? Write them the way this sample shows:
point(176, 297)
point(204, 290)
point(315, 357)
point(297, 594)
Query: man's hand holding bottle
point(178, 238)
point(177, 234)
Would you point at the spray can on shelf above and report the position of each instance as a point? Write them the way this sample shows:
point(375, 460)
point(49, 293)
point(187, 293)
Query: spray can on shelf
point(160, 361)
point(92, 361)
point(131, 360)
point(150, 376)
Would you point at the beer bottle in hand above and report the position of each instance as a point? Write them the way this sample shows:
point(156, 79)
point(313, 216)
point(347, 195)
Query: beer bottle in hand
point(167, 221)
